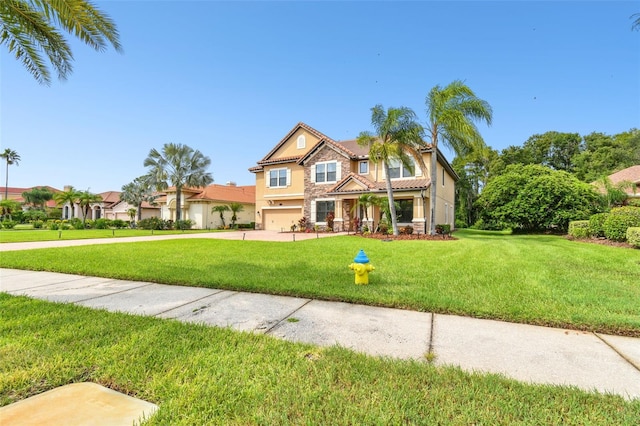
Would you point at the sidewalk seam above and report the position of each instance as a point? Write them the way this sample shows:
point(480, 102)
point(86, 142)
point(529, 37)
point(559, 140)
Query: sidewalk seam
point(431, 333)
point(196, 300)
point(267, 331)
point(623, 356)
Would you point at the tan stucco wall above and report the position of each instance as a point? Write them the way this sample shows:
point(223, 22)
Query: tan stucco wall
point(290, 149)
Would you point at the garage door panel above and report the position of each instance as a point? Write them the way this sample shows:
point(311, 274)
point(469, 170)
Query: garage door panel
point(280, 219)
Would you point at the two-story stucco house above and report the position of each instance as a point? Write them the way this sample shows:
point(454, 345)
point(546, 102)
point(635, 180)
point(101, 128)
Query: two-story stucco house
point(308, 174)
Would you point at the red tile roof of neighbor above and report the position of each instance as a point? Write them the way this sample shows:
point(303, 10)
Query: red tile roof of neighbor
point(15, 193)
point(632, 174)
point(110, 198)
point(227, 193)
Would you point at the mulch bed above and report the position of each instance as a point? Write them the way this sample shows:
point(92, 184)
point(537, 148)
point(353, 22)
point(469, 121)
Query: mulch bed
point(601, 241)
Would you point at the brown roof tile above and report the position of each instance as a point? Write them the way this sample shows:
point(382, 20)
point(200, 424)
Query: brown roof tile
point(227, 193)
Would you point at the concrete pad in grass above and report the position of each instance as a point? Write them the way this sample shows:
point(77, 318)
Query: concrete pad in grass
point(534, 354)
point(149, 299)
point(77, 404)
point(241, 311)
point(371, 330)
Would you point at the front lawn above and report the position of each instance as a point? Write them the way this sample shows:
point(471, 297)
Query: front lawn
point(543, 280)
point(204, 375)
point(27, 235)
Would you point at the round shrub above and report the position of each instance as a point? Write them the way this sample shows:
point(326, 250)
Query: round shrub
point(596, 224)
point(579, 228)
point(633, 237)
point(101, 223)
point(619, 220)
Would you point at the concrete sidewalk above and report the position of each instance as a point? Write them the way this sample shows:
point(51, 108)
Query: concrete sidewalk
point(609, 364)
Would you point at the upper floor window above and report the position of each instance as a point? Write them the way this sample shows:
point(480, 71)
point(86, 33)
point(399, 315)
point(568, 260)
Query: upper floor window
point(326, 172)
point(363, 167)
point(398, 170)
point(301, 142)
point(278, 178)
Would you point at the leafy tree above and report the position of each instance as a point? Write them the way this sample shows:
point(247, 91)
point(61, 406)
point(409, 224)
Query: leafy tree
point(536, 198)
point(604, 154)
point(8, 207)
point(473, 171)
point(37, 197)
point(70, 196)
point(29, 28)
point(179, 165)
point(235, 209)
point(85, 199)
point(451, 113)
point(137, 192)
point(397, 137)
point(10, 157)
point(220, 209)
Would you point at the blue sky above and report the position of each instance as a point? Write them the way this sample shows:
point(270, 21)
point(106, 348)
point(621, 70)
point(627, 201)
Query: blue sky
point(232, 78)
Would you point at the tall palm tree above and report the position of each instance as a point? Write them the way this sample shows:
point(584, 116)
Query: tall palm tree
point(137, 192)
point(220, 209)
point(85, 199)
point(11, 157)
point(235, 209)
point(398, 136)
point(180, 166)
point(636, 21)
point(451, 112)
point(29, 28)
point(70, 196)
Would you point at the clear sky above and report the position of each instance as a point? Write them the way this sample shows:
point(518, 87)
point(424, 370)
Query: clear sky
point(232, 78)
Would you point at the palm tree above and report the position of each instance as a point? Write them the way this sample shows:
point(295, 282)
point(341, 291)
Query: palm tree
point(220, 209)
point(398, 137)
point(137, 192)
point(614, 194)
point(11, 157)
point(29, 28)
point(70, 196)
point(9, 206)
point(85, 199)
point(451, 112)
point(365, 201)
point(235, 209)
point(179, 165)
point(636, 22)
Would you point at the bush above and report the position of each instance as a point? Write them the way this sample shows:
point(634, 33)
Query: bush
point(183, 224)
point(152, 223)
point(596, 224)
point(9, 224)
point(443, 229)
point(37, 224)
point(101, 223)
point(633, 202)
point(119, 223)
point(406, 230)
point(579, 228)
point(460, 224)
point(76, 223)
point(633, 237)
point(53, 225)
point(619, 220)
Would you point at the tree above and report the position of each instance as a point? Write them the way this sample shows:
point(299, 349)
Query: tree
point(179, 165)
point(29, 28)
point(614, 195)
point(132, 212)
point(70, 196)
point(636, 22)
point(235, 209)
point(137, 192)
point(11, 157)
point(398, 136)
point(473, 171)
point(365, 201)
point(536, 198)
point(604, 154)
point(220, 209)
point(37, 197)
point(8, 207)
point(451, 112)
point(85, 199)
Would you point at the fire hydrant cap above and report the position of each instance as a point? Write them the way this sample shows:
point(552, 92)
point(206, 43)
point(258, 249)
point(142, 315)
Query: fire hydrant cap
point(361, 257)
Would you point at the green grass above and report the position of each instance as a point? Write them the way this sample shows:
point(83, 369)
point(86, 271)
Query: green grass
point(203, 375)
point(28, 235)
point(543, 280)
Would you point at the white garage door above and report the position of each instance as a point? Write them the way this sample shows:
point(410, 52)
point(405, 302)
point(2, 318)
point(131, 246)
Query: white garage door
point(280, 219)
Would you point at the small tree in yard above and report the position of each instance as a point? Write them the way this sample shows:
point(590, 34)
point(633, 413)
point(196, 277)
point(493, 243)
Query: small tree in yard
point(220, 209)
point(536, 198)
point(235, 209)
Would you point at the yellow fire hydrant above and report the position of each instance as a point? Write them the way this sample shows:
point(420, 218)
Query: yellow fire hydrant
point(361, 267)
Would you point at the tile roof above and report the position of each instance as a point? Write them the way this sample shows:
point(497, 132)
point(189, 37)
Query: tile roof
point(632, 174)
point(300, 125)
point(397, 185)
point(227, 193)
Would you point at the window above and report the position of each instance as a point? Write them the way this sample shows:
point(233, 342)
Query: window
point(398, 170)
point(301, 142)
point(363, 167)
point(278, 178)
point(323, 208)
point(326, 172)
point(405, 212)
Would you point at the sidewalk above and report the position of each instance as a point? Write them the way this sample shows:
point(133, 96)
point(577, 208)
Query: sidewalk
point(589, 361)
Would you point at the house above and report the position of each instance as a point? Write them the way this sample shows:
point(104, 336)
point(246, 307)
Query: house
point(111, 207)
point(15, 194)
point(630, 174)
point(197, 204)
point(308, 174)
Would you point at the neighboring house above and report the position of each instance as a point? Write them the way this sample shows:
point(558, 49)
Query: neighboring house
point(630, 174)
point(197, 204)
point(308, 174)
point(14, 193)
point(111, 207)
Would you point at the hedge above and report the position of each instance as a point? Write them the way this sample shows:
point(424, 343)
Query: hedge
point(633, 237)
point(596, 224)
point(619, 220)
point(579, 228)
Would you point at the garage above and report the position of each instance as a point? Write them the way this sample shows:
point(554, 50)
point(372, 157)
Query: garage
point(280, 219)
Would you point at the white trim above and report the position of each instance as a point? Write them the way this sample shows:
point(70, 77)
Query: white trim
point(363, 162)
point(297, 194)
point(281, 207)
point(301, 142)
point(326, 172)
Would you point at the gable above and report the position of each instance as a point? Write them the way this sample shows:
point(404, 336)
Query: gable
point(294, 145)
